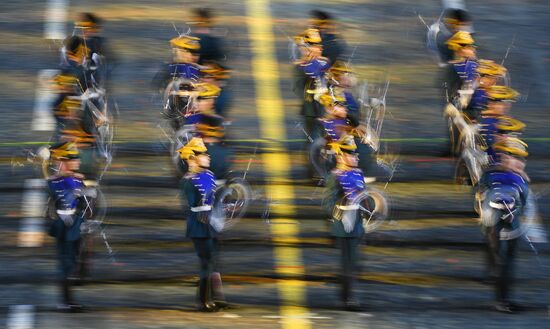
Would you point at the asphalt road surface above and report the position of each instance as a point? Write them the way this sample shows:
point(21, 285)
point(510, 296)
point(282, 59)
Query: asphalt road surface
point(423, 269)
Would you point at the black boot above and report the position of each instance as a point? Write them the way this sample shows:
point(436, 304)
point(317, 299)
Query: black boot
point(344, 289)
point(350, 303)
point(205, 304)
point(217, 291)
point(68, 303)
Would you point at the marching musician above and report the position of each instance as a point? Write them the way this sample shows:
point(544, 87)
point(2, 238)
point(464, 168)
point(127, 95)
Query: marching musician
point(67, 104)
point(347, 182)
point(463, 69)
point(489, 74)
point(75, 53)
point(340, 81)
point(100, 60)
point(210, 129)
point(310, 80)
point(211, 46)
point(454, 20)
point(184, 65)
point(339, 121)
point(198, 187)
point(205, 95)
point(494, 117)
point(333, 46)
point(65, 189)
point(504, 192)
point(218, 75)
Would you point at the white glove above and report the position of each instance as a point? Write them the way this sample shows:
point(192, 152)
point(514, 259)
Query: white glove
point(348, 220)
point(67, 219)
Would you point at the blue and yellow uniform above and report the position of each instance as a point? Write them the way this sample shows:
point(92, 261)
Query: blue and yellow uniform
point(184, 64)
point(488, 74)
point(478, 103)
point(332, 127)
point(351, 103)
point(493, 128)
point(187, 71)
point(199, 191)
point(454, 20)
point(83, 131)
point(315, 68)
point(494, 122)
point(100, 59)
point(462, 70)
point(210, 129)
point(71, 83)
point(185, 68)
point(345, 184)
point(466, 70)
point(504, 190)
point(488, 130)
point(65, 191)
point(194, 118)
point(76, 52)
point(67, 104)
point(198, 187)
point(309, 76)
point(220, 76)
point(335, 128)
point(209, 126)
point(351, 183)
point(340, 80)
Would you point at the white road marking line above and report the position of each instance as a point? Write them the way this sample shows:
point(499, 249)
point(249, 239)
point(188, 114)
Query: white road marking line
point(31, 232)
point(458, 4)
point(55, 19)
point(20, 317)
point(43, 119)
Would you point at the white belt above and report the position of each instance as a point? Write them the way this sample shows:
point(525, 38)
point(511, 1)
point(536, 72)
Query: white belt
point(66, 212)
point(201, 208)
point(349, 207)
point(500, 206)
point(466, 91)
point(90, 183)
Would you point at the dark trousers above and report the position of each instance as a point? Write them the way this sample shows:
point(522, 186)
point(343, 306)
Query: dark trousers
point(490, 257)
point(207, 249)
point(349, 258)
point(84, 256)
point(67, 253)
point(504, 253)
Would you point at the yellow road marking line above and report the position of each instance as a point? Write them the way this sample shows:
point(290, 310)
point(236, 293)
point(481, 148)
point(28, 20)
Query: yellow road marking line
point(270, 110)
